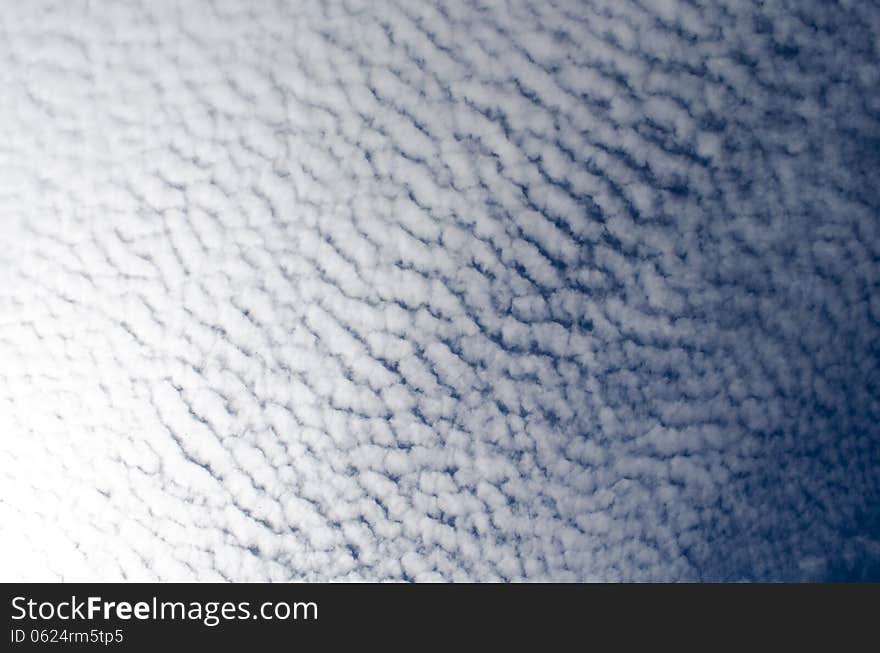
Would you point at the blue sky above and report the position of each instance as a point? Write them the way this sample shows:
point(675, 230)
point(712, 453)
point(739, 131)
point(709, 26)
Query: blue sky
point(440, 291)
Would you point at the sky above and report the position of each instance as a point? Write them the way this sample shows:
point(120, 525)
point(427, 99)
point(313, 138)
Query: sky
point(440, 291)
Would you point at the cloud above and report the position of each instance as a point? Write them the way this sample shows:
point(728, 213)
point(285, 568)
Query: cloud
point(447, 291)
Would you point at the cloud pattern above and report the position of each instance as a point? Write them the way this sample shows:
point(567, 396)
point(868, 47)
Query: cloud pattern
point(440, 291)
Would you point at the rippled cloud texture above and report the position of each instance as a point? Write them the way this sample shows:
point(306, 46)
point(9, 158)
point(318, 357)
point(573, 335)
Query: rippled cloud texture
point(440, 291)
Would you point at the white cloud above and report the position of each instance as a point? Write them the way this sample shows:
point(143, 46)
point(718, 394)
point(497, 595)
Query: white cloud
point(573, 291)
